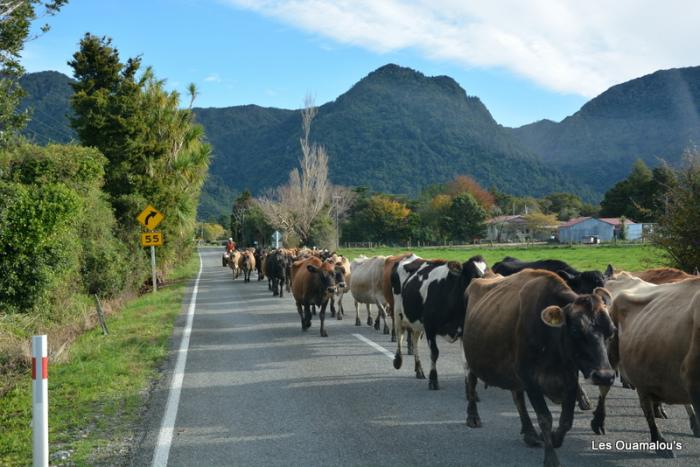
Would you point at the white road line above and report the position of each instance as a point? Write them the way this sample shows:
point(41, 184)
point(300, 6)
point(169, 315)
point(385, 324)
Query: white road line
point(374, 345)
point(165, 436)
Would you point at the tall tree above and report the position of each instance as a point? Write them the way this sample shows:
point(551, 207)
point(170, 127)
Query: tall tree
point(16, 17)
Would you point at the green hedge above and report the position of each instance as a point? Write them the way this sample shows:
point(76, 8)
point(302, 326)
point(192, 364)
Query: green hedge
point(57, 229)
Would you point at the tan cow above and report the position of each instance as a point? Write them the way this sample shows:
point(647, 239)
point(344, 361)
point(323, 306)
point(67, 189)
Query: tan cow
point(658, 348)
point(366, 287)
point(314, 284)
point(233, 262)
point(246, 263)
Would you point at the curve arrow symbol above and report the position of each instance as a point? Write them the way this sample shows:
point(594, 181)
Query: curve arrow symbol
point(150, 215)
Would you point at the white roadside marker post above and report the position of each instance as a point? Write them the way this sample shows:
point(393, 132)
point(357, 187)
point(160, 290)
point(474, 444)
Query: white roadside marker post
point(40, 401)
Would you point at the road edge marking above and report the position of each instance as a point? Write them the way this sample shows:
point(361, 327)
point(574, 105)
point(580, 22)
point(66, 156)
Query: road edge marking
point(165, 435)
point(374, 345)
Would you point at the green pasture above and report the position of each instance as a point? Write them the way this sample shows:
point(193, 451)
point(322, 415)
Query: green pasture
point(583, 257)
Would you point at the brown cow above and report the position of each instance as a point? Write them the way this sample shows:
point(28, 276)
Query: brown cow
point(389, 264)
point(662, 275)
point(314, 284)
point(530, 333)
point(658, 348)
point(343, 262)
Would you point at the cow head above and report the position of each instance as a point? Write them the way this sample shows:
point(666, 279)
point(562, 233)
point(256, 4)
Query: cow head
point(583, 282)
point(329, 275)
point(472, 268)
point(586, 327)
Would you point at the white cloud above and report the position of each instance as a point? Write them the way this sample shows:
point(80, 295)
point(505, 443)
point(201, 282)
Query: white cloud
point(213, 78)
point(571, 46)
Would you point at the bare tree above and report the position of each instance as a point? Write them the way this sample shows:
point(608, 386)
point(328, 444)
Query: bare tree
point(296, 205)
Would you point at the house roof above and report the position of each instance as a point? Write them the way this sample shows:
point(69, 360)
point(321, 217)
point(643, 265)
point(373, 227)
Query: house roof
point(616, 221)
point(574, 221)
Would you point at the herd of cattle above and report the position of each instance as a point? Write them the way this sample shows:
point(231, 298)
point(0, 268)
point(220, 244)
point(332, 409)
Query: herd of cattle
point(528, 327)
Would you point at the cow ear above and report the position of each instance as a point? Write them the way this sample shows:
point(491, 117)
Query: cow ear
point(604, 295)
point(454, 267)
point(553, 316)
point(609, 272)
point(565, 275)
point(311, 268)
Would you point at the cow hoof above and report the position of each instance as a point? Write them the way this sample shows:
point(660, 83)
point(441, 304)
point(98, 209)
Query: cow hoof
point(557, 439)
point(386, 331)
point(550, 459)
point(324, 333)
point(659, 411)
point(398, 361)
point(420, 374)
point(357, 322)
point(369, 321)
point(665, 453)
point(694, 427)
point(339, 317)
point(393, 338)
point(532, 439)
point(376, 325)
point(433, 385)
point(473, 421)
point(332, 314)
point(584, 403)
point(598, 426)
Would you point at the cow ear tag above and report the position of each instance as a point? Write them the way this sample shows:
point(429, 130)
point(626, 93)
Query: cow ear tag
point(553, 316)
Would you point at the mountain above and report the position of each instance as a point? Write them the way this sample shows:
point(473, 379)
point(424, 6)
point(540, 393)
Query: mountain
point(650, 118)
point(48, 95)
point(395, 131)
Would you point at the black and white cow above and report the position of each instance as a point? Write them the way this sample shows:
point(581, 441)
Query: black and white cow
point(432, 300)
point(580, 282)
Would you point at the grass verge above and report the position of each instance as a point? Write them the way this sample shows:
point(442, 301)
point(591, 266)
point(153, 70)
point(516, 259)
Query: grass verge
point(624, 257)
point(97, 396)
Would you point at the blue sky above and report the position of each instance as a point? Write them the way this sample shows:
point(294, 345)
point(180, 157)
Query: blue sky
point(525, 60)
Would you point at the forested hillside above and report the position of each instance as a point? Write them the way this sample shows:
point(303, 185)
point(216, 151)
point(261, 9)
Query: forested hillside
point(651, 118)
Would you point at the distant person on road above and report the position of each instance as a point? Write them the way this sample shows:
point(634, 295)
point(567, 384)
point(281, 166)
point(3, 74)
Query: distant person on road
point(230, 245)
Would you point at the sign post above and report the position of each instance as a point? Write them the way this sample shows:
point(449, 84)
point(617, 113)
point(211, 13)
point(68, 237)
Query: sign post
point(150, 218)
point(276, 238)
point(40, 401)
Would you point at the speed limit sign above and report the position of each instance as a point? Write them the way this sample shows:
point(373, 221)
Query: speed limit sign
point(151, 239)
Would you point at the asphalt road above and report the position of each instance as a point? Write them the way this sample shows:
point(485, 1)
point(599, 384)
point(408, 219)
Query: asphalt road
point(259, 391)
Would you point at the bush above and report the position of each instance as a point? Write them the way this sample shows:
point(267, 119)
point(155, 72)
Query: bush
point(678, 231)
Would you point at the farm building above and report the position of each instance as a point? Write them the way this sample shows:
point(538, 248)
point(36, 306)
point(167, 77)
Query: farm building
point(506, 229)
point(582, 229)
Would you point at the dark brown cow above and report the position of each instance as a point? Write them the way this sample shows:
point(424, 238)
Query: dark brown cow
point(314, 284)
point(530, 333)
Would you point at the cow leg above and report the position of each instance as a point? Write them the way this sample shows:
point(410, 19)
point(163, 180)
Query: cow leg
point(659, 411)
point(307, 316)
point(598, 421)
point(274, 287)
point(648, 407)
point(544, 419)
point(288, 283)
point(528, 431)
point(313, 310)
point(357, 314)
point(322, 317)
point(434, 354)
point(341, 312)
point(418, 368)
point(409, 344)
point(332, 307)
point(566, 418)
point(694, 420)
point(398, 323)
point(301, 316)
point(473, 419)
point(369, 314)
point(584, 403)
point(382, 313)
point(281, 284)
